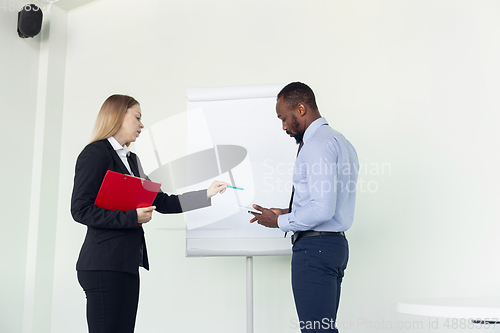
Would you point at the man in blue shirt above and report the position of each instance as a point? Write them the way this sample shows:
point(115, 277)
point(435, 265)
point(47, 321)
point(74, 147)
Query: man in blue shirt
point(321, 208)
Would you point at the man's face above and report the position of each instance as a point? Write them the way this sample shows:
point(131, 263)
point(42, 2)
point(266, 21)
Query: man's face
point(289, 120)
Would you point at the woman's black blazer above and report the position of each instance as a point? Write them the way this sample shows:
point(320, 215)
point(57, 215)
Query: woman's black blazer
point(114, 238)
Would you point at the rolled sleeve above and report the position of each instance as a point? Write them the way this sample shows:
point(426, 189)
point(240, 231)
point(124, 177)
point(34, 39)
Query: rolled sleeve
point(284, 222)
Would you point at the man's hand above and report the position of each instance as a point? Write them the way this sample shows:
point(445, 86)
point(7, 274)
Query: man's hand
point(279, 211)
point(267, 217)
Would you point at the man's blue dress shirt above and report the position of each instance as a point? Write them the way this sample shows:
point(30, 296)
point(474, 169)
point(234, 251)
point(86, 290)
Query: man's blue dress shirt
point(324, 178)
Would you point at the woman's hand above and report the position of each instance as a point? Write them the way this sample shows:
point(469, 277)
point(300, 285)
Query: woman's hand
point(216, 187)
point(145, 214)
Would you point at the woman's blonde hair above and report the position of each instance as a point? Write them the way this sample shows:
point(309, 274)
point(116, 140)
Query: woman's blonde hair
point(111, 116)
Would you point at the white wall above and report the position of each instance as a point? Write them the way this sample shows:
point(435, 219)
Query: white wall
point(412, 84)
point(18, 91)
point(32, 95)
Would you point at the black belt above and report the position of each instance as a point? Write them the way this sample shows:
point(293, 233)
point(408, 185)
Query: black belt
point(300, 234)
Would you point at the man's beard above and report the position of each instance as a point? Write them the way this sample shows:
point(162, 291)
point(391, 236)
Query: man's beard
point(298, 136)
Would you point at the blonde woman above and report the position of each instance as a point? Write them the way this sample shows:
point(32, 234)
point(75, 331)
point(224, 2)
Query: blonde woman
point(114, 247)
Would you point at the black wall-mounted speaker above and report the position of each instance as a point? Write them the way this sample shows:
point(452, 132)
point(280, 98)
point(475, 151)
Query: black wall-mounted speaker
point(29, 21)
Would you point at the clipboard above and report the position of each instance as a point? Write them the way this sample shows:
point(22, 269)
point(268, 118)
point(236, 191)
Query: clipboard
point(124, 192)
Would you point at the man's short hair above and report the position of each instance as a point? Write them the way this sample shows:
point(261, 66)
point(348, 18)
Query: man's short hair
point(298, 92)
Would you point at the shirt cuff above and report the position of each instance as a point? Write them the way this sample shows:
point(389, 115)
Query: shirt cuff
point(284, 222)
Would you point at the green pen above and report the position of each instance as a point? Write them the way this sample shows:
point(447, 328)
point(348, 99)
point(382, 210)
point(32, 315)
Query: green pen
point(236, 188)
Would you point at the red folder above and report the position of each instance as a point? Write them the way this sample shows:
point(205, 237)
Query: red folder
point(124, 192)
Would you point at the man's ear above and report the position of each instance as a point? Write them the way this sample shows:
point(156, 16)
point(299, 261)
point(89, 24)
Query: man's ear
point(301, 109)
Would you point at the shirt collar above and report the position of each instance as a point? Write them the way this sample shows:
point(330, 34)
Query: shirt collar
point(313, 127)
point(116, 146)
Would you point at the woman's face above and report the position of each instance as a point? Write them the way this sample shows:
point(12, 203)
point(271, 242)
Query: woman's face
point(131, 126)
